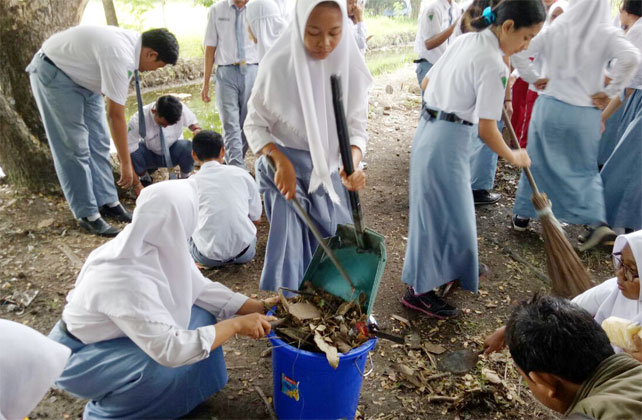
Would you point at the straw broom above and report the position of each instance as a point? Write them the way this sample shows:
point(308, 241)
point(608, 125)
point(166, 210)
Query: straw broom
point(568, 276)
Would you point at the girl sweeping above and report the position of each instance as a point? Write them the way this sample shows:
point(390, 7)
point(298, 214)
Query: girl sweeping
point(565, 127)
point(465, 87)
point(145, 328)
point(291, 121)
point(265, 24)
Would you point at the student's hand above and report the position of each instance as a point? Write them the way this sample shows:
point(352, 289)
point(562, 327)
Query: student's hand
point(126, 177)
point(600, 100)
point(637, 354)
point(520, 159)
point(138, 188)
point(285, 176)
point(205, 93)
point(541, 84)
point(602, 125)
point(496, 341)
point(254, 325)
point(270, 302)
point(354, 182)
point(357, 13)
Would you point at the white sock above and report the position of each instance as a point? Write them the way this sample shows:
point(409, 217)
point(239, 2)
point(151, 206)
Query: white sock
point(114, 204)
point(93, 217)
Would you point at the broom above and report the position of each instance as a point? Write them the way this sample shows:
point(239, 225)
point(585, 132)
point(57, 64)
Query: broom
point(568, 276)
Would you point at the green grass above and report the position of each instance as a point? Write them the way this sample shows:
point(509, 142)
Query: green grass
point(389, 61)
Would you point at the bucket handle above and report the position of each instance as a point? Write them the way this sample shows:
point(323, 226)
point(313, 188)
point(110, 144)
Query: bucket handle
point(364, 374)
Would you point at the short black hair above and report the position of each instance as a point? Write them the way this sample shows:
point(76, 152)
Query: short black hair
point(633, 7)
point(170, 108)
point(553, 335)
point(207, 144)
point(524, 13)
point(163, 42)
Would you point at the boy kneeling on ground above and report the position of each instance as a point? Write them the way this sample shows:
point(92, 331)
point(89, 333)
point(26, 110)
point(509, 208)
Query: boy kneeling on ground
point(229, 206)
point(569, 364)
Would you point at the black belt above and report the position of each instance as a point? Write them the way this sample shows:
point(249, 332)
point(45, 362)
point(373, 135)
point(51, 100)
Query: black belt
point(420, 60)
point(429, 114)
point(236, 65)
point(48, 60)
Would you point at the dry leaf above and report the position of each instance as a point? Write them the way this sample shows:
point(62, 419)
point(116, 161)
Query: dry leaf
point(434, 348)
point(330, 351)
point(45, 223)
point(304, 310)
point(491, 376)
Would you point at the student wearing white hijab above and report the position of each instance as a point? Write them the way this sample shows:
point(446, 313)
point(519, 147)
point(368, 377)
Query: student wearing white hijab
point(265, 24)
point(29, 365)
point(564, 132)
point(291, 120)
point(144, 326)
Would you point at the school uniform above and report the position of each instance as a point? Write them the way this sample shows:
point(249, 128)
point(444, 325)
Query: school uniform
point(236, 59)
point(229, 203)
point(360, 36)
point(435, 18)
point(442, 239)
point(291, 107)
point(140, 320)
point(266, 22)
point(152, 152)
point(564, 132)
point(69, 76)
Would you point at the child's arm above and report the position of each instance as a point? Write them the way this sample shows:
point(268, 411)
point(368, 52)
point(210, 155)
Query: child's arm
point(495, 341)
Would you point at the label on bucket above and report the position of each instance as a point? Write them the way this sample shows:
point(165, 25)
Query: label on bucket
point(290, 387)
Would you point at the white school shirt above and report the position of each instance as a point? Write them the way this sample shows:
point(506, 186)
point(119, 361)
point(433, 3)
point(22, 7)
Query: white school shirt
point(221, 33)
point(360, 36)
point(228, 202)
point(172, 133)
point(435, 18)
point(99, 58)
point(470, 79)
point(634, 35)
point(588, 80)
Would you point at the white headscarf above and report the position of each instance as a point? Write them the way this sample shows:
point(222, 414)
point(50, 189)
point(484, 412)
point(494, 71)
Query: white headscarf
point(30, 363)
point(304, 102)
point(266, 22)
point(616, 304)
point(285, 8)
point(560, 4)
point(580, 31)
point(146, 273)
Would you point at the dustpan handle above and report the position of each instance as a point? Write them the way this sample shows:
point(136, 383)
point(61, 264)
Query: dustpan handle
point(346, 154)
point(515, 143)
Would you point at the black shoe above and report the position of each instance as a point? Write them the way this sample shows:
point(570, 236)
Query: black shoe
point(118, 213)
point(429, 304)
point(146, 180)
point(98, 227)
point(520, 224)
point(602, 235)
point(483, 197)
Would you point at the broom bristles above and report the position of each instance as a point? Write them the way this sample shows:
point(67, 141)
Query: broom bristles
point(568, 276)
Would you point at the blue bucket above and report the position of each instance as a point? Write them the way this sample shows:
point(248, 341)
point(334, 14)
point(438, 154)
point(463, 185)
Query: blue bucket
point(307, 387)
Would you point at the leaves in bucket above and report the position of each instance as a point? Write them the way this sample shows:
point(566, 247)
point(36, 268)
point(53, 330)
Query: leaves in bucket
point(330, 351)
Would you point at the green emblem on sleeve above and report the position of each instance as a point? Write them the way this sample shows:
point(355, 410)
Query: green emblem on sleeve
point(504, 81)
point(430, 17)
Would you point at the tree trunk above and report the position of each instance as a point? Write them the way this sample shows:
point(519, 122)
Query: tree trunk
point(416, 5)
point(24, 26)
point(110, 12)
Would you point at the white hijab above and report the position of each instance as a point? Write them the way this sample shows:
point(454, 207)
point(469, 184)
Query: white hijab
point(266, 22)
point(616, 304)
point(30, 363)
point(579, 32)
point(146, 273)
point(296, 88)
point(560, 4)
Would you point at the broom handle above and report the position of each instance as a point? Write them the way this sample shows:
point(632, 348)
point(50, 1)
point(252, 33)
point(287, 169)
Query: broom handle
point(513, 139)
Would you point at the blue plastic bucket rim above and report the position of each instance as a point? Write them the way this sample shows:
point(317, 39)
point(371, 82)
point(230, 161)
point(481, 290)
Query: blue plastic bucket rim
point(352, 354)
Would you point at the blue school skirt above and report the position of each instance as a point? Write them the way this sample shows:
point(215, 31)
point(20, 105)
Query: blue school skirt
point(442, 231)
point(121, 381)
point(483, 163)
point(610, 136)
point(563, 143)
point(290, 244)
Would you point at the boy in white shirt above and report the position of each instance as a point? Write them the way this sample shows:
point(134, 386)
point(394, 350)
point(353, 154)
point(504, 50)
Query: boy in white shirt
point(229, 206)
point(355, 13)
point(163, 145)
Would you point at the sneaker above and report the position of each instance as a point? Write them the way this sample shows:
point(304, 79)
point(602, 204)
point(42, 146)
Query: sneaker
point(483, 197)
point(146, 180)
point(429, 304)
point(520, 224)
point(118, 213)
point(602, 235)
point(98, 227)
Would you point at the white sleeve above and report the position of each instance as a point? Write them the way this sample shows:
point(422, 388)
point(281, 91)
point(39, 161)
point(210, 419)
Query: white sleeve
point(166, 344)
point(211, 36)
point(132, 133)
point(626, 63)
point(256, 207)
point(114, 80)
point(257, 125)
point(360, 36)
point(523, 63)
point(592, 299)
point(188, 117)
point(491, 89)
point(220, 301)
point(430, 24)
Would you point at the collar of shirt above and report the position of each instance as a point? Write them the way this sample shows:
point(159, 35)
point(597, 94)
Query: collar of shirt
point(231, 3)
point(492, 39)
point(210, 164)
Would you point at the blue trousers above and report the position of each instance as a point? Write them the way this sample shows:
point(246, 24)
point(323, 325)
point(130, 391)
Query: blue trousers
point(74, 120)
point(247, 256)
point(122, 382)
point(423, 67)
point(180, 152)
point(233, 90)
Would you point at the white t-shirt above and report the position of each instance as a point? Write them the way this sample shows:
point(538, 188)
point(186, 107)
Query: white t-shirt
point(435, 18)
point(99, 58)
point(360, 36)
point(470, 79)
point(152, 139)
point(228, 202)
point(221, 33)
point(634, 35)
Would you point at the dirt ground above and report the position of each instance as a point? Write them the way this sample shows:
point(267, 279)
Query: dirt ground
point(42, 249)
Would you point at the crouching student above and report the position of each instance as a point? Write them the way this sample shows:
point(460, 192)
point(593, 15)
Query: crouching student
point(569, 364)
point(465, 87)
point(291, 121)
point(145, 328)
point(163, 145)
point(229, 206)
point(265, 24)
